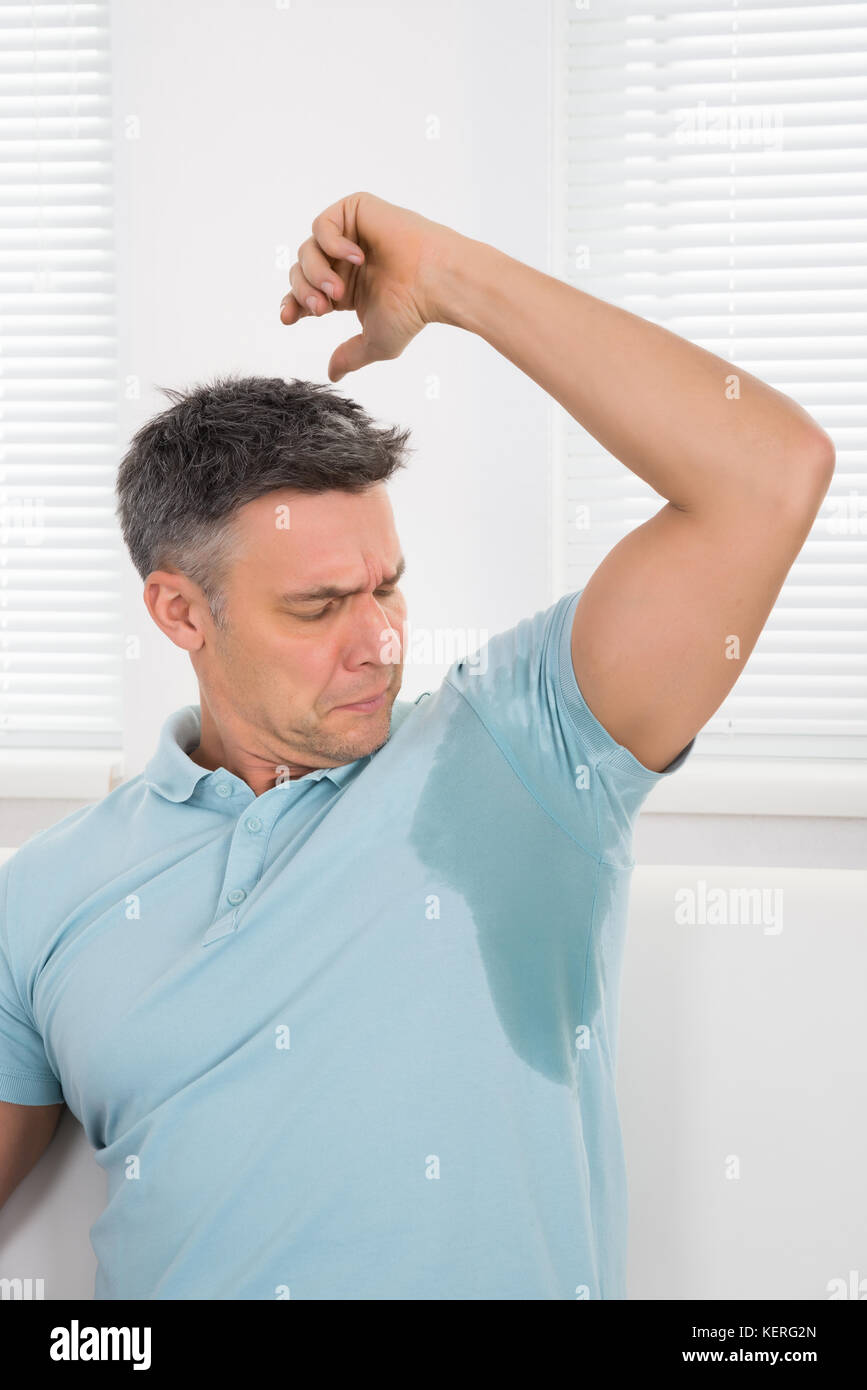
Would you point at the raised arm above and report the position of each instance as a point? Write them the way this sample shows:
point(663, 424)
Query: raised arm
point(668, 619)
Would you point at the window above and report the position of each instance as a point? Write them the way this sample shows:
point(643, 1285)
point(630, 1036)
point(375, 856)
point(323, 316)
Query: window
point(60, 554)
point(710, 176)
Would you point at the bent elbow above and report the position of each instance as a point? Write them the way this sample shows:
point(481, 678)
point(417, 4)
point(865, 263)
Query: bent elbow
point(811, 478)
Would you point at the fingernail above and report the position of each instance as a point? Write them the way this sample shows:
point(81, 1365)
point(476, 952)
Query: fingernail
point(328, 289)
point(311, 304)
point(356, 259)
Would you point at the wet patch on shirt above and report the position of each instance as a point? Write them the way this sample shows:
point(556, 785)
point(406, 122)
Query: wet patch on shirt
point(528, 887)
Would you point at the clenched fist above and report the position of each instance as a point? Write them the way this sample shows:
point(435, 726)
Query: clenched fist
point(381, 260)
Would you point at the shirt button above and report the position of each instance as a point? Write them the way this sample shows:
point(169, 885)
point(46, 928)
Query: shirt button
point(223, 789)
point(254, 824)
point(237, 895)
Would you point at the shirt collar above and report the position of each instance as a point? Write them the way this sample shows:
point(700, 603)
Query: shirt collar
point(172, 772)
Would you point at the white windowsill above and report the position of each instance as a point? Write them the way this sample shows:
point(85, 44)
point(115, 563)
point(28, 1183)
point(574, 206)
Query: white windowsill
point(737, 786)
point(60, 774)
point(741, 786)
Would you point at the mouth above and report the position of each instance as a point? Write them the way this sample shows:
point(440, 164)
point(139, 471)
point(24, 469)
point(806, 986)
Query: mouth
point(367, 706)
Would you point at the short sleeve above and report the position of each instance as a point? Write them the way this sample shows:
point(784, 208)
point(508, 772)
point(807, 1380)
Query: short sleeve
point(25, 1075)
point(523, 688)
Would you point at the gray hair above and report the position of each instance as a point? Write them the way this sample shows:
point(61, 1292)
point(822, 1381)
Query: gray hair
point(222, 444)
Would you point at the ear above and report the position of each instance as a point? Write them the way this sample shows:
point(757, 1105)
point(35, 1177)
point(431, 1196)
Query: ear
point(178, 607)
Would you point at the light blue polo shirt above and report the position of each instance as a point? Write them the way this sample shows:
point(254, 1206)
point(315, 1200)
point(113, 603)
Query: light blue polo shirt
point(354, 1038)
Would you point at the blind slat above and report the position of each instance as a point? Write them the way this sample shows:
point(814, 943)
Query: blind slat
point(61, 622)
point(714, 181)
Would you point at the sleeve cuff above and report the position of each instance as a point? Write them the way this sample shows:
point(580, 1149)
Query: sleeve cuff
point(594, 734)
point(25, 1088)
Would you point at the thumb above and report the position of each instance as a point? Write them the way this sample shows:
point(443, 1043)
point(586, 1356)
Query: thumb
point(350, 356)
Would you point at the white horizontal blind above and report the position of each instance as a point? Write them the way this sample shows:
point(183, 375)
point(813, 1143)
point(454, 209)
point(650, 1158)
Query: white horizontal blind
point(711, 171)
point(60, 552)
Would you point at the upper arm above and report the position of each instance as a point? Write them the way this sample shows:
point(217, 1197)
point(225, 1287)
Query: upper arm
point(32, 1098)
point(665, 624)
point(27, 1077)
point(25, 1133)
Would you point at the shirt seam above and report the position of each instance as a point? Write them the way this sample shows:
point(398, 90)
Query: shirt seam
point(597, 858)
point(29, 1075)
point(589, 945)
point(26, 1010)
point(606, 759)
point(555, 638)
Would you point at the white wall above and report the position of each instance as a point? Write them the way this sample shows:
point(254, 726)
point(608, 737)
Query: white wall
point(253, 118)
point(740, 1082)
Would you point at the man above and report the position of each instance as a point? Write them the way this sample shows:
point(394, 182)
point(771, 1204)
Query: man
point(332, 985)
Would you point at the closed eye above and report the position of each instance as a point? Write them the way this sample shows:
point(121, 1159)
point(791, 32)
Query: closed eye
point(314, 617)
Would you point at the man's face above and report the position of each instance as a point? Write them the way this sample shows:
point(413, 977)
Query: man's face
point(286, 666)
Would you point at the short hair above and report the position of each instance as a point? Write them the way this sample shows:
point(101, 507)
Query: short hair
point(220, 445)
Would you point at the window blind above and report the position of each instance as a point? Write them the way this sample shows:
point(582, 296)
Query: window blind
point(60, 551)
point(711, 176)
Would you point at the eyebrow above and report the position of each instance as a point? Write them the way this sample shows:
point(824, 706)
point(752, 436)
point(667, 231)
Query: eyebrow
point(331, 591)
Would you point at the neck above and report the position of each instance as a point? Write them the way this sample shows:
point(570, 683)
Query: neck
point(238, 749)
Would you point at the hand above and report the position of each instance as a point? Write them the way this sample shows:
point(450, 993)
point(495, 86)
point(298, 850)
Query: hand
point(381, 260)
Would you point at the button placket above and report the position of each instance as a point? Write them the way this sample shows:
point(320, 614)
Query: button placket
point(248, 848)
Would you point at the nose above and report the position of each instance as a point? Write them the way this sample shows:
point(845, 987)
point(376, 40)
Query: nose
point(379, 633)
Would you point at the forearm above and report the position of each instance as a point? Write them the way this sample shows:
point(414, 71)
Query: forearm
point(698, 429)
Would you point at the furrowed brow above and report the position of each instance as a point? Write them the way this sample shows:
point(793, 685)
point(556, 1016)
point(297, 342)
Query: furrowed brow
point(331, 591)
